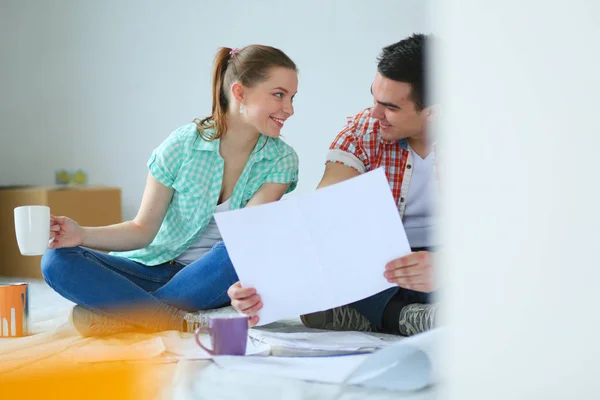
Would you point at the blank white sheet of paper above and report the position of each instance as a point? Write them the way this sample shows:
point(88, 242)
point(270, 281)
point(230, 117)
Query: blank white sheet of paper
point(317, 251)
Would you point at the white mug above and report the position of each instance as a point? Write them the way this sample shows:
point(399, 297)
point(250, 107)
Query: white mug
point(32, 226)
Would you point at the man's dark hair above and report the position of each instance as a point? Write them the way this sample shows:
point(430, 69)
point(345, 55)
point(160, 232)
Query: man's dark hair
point(405, 62)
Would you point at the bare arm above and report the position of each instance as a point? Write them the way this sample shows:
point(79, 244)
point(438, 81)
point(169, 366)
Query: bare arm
point(268, 193)
point(335, 173)
point(139, 232)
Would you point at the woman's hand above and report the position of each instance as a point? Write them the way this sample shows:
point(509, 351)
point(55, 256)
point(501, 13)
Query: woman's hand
point(64, 232)
point(246, 301)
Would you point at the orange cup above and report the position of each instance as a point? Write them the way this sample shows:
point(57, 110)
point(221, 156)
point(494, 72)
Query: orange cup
point(14, 309)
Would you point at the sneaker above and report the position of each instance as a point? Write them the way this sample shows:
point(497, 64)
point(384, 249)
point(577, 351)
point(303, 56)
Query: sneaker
point(343, 318)
point(89, 323)
point(199, 319)
point(416, 318)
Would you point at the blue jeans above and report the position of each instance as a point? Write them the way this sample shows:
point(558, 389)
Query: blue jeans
point(107, 284)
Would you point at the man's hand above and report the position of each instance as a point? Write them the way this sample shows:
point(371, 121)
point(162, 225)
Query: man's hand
point(413, 271)
point(246, 301)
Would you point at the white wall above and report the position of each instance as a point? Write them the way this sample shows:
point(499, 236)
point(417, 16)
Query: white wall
point(519, 84)
point(98, 85)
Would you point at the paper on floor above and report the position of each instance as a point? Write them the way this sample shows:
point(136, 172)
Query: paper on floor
point(320, 369)
point(317, 251)
point(407, 365)
point(321, 343)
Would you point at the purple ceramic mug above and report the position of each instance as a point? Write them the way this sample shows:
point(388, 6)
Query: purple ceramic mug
point(228, 335)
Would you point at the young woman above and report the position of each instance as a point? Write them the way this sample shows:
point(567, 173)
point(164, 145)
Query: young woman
point(169, 261)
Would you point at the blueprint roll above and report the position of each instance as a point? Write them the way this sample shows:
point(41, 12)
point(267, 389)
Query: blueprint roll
point(409, 364)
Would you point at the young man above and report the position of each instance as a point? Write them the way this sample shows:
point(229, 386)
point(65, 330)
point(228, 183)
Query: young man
point(392, 134)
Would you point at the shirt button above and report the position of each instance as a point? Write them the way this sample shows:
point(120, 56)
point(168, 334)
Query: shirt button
point(409, 166)
point(185, 190)
point(401, 199)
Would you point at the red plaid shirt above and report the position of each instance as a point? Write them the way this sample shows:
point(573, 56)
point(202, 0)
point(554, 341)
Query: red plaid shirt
point(360, 146)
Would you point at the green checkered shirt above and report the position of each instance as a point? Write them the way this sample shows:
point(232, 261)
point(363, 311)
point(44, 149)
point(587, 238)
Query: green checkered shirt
point(193, 167)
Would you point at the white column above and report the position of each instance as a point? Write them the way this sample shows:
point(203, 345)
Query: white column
point(520, 171)
point(4, 323)
point(13, 322)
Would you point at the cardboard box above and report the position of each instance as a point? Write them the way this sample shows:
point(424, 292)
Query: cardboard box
point(88, 205)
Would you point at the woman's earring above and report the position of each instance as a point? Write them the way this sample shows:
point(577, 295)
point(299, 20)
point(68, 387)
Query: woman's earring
point(242, 109)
